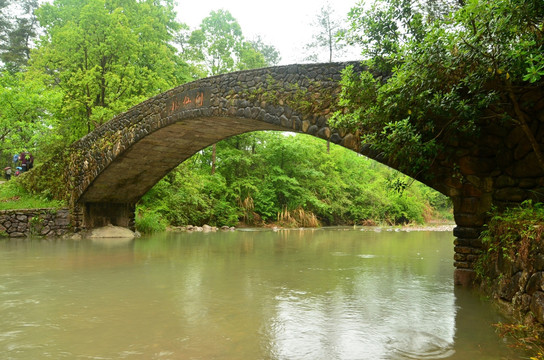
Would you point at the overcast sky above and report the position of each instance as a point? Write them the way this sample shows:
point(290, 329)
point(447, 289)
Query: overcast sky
point(285, 24)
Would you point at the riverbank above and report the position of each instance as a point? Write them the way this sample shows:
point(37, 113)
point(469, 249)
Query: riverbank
point(432, 226)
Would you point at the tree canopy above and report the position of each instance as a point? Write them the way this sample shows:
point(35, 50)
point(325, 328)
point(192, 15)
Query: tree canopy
point(105, 56)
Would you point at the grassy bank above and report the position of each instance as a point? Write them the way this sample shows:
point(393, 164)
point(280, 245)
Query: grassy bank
point(13, 196)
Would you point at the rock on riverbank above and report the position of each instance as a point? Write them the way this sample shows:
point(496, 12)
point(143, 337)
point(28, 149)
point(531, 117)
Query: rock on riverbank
point(204, 228)
point(111, 231)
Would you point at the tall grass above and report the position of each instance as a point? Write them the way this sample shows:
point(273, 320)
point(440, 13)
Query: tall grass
point(148, 222)
point(297, 218)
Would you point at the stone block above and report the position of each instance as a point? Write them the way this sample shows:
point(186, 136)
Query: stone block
point(471, 165)
point(324, 133)
point(467, 232)
point(537, 306)
point(527, 167)
point(528, 183)
point(63, 221)
point(469, 220)
point(335, 138)
point(504, 181)
point(305, 126)
point(45, 230)
point(285, 122)
point(459, 257)
point(453, 182)
point(470, 190)
point(349, 141)
point(522, 149)
point(472, 258)
point(509, 287)
point(510, 194)
point(312, 130)
point(514, 137)
point(538, 263)
point(462, 265)
point(535, 283)
point(469, 205)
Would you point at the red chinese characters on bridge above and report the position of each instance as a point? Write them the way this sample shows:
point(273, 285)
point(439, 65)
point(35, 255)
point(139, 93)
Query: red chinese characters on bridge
point(190, 99)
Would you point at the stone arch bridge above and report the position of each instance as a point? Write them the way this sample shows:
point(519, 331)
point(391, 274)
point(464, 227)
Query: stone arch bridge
point(113, 167)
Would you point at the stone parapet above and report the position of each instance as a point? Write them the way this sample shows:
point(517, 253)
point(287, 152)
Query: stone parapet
point(34, 222)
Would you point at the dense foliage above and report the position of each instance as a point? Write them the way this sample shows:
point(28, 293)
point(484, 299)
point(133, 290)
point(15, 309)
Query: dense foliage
point(289, 180)
point(105, 57)
point(444, 69)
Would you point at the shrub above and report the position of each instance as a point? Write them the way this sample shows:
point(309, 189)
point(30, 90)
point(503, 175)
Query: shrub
point(149, 221)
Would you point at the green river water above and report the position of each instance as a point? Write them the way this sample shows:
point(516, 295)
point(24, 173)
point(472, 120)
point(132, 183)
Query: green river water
point(254, 294)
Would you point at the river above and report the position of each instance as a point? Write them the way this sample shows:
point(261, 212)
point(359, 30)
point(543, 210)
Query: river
point(330, 293)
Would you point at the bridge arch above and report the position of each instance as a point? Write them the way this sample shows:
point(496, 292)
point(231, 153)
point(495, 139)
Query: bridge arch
point(114, 166)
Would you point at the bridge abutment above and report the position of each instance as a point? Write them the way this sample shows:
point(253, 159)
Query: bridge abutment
point(95, 215)
point(468, 248)
point(471, 205)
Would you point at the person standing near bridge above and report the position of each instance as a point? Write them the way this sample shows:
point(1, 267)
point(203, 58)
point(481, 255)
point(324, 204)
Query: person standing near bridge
point(23, 158)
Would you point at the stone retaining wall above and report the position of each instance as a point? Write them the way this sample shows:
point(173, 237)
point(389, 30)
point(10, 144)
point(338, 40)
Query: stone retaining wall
point(36, 222)
point(518, 288)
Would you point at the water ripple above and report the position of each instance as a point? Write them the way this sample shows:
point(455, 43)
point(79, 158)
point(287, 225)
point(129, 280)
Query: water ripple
point(420, 345)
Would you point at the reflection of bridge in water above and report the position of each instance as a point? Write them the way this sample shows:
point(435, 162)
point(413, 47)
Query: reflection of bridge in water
point(114, 166)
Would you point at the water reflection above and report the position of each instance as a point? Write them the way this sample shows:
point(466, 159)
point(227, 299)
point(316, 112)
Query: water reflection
point(321, 294)
point(382, 307)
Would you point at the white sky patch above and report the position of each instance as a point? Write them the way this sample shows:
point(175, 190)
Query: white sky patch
point(285, 24)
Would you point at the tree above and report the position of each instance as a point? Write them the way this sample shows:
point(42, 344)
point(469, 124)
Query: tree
point(17, 31)
point(270, 53)
point(218, 46)
point(442, 75)
point(327, 36)
point(106, 56)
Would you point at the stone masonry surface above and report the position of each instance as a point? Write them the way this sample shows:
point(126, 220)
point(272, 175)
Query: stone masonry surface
point(37, 222)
